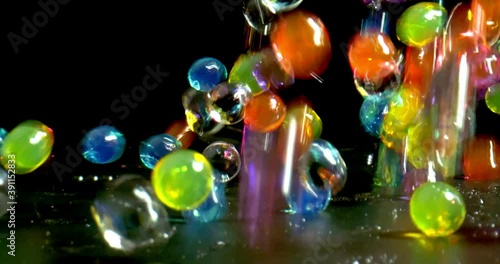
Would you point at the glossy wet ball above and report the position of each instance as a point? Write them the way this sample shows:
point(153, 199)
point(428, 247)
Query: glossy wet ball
point(225, 160)
point(280, 6)
point(374, 62)
point(129, 215)
point(328, 163)
point(492, 99)
point(372, 112)
point(156, 147)
point(265, 112)
point(421, 23)
point(183, 179)
point(205, 73)
point(242, 72)
point(103, 144)
point(482, 158)
point(180, 130)
point(228, 102)
point(3, 133)
point(302, 39)
point(437, 209)
point(212, 209)
point(27, 146)
point(197, 111)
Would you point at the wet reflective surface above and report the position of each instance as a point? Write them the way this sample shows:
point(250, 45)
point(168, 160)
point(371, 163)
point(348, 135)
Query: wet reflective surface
point(359, 226)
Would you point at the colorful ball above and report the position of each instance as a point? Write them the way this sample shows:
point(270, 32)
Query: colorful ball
point(492, 98)
point(272, 72)
point(205, 73)
point(180, 130)
point(301, 39)
point(243, 72)
point(156, 147)
point(372, 112)
point(418, 68)
point(419, 144)
point(3, 134)
point(488, 13)
point(329, 164)
point(183, 179)
point(265, 112)
point(316, 123)
point(27, 147)
point(482, 158)
point(404, 107)
point(373, 58)
point(437, 209)
point(421, 23)
point(103, 145)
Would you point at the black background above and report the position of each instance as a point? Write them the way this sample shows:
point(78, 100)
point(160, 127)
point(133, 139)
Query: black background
point(90, 53)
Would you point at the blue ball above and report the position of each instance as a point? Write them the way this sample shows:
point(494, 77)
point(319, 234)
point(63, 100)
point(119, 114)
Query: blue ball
point(205, 73)
point(372, 113)
point(3, 133)
point(212, 209)
point(304, 200)
point(156, 147)
point(103, 144)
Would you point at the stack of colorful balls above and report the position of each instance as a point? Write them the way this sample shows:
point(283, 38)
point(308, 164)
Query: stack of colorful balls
point(421, 102)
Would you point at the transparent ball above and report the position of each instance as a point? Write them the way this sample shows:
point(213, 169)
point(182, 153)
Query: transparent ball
point(129, 215)
point(273, 72)
point(228, 102)
point(325, 160)
point(196, 108)
point(225, 160)
point(280, 6)
point(258, 15)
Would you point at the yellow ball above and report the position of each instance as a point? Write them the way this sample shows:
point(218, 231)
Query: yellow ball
point(183, 179)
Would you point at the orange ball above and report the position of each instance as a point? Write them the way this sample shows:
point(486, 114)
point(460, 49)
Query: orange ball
point(301, 40)
point(265, 112)
point(180, 130)
point(482, 159)
point(372, 56)
point(419, 67)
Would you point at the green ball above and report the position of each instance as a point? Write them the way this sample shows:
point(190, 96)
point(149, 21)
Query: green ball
point(492, 98)
point(437, 209)
point(27, 147)
point(183, 179)
point(242, 71)
point(421, 23)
